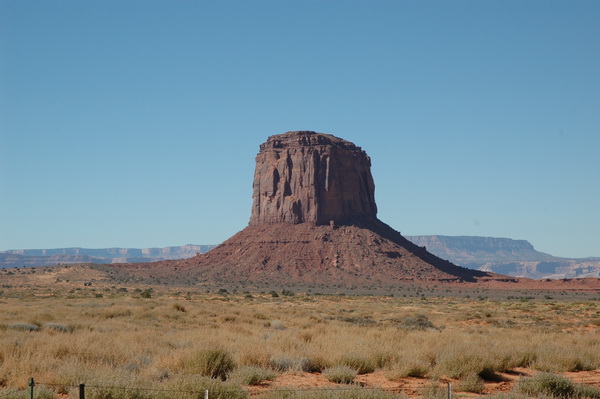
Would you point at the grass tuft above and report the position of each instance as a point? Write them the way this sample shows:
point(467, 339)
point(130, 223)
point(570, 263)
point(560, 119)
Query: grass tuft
point(359, 363)
point(59, 327)
point(213, 363)
point(470, 383)
point(251, 375)
point(340, 374)
point(25, 327)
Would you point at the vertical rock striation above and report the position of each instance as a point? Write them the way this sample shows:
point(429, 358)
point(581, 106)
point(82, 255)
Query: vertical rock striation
point(311, 177)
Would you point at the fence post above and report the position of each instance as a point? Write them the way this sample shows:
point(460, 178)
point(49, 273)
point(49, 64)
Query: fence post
point(206, 394)
point(31, 384)
point(81, 391)
point(449, 391)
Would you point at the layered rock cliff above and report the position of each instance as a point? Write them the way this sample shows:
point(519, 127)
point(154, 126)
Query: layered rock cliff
point(311, 177)
point(466, 249)
point(517, 258)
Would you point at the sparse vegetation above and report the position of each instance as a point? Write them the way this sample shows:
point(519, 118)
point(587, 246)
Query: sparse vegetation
point(168, 340)
point(555, 386)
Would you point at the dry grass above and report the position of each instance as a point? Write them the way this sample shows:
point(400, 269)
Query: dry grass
point(160, 341)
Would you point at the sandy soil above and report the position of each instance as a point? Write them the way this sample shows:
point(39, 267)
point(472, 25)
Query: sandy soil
point(412, 387)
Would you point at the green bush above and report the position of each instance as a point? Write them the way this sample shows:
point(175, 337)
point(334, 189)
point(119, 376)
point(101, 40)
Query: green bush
point(213, 363)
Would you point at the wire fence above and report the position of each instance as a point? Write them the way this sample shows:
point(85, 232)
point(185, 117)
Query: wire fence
point(43, 390)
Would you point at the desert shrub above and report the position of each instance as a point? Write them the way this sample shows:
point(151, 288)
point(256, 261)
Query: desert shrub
point(408, 370)
point(561, 360)
point(433, 390)
point(418, 322)
point(283, 363)
point(314, 364)
point(25, 327)
point(255, 357)
point(546, 383)
point(213, 363)
point(179, 308)
point(588, 391)
point(340, 374)
point(277, 325)
point(363, 321)
point(382, 359)
point(556, 386)
point(470, 383)
point(251, 375)
point(460, 365)
point(59, 327)
point(359, 363)
point(259, 316)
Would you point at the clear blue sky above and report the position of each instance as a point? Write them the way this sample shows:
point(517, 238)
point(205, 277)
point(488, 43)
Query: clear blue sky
point(136, 123)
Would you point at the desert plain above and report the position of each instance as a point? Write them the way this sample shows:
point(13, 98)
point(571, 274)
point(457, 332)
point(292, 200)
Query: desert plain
point(71, 325)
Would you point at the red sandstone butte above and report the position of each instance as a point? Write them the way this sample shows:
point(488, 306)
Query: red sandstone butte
point(305, 177)
point(314, 223)
point(314, 220)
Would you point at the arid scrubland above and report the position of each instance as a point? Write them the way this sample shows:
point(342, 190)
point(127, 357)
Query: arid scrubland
point(166, 340)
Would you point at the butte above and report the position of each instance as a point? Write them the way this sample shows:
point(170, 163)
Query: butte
point(314, 222)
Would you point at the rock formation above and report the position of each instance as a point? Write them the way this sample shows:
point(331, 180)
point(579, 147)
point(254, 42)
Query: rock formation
point(311, 177)
point(314, 221)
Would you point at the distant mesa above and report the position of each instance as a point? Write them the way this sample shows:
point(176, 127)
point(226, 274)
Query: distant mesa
point(314, 221)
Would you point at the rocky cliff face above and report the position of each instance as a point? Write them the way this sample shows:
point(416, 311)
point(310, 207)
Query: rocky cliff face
point(311, 177)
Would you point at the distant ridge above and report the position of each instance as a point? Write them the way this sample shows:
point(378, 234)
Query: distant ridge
point(516, 258)
point(47, 257)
